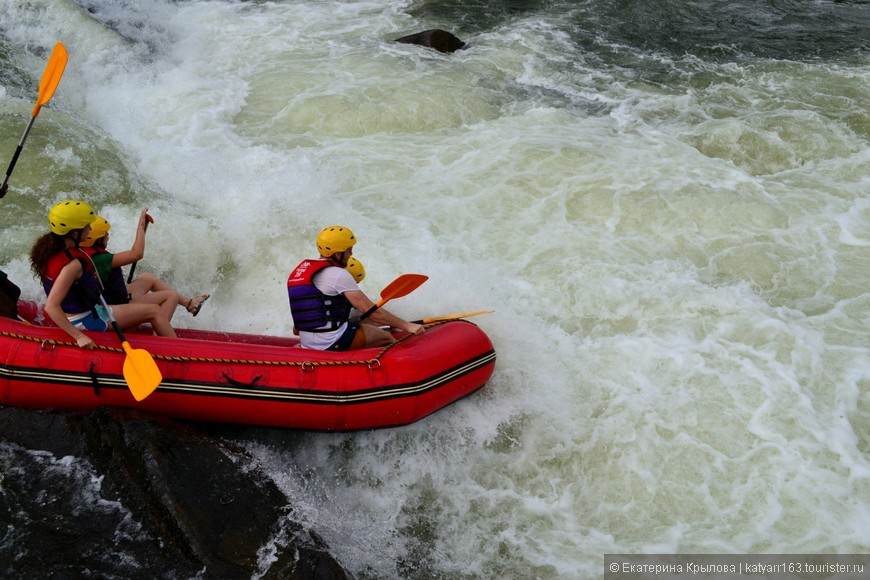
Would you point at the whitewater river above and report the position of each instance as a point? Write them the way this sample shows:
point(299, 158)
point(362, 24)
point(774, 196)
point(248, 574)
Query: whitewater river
point(666, 203)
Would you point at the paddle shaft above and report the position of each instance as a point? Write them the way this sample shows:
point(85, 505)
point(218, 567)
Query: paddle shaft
point(369, 312)
point(446, 317)
point(458, 316)
point(15, 157)
point(112, 318)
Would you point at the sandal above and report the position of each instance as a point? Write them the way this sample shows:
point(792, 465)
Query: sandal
point(194, 304)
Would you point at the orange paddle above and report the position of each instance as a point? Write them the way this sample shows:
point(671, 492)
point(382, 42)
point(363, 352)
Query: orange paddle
point(140, 370)
point(50, 79)
point(401, 286)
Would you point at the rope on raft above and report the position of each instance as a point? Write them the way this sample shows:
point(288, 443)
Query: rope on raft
point(305, 364)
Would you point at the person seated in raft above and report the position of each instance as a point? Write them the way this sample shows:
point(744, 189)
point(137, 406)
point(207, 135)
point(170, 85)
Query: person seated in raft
point(322, 293)
point(356, 269)
point(9, 294)
point(71, 284)
point(358, 272)
point(146, 287)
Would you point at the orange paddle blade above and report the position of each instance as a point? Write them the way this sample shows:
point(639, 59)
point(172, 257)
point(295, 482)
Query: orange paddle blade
point(140, 371)
point(401, 286)
point(51, 77)
point(457, 316)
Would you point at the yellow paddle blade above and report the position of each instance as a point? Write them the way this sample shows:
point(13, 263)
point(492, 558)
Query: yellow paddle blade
point(140, 372)
point(51, 77)
point(401, 286)
point(457, 316)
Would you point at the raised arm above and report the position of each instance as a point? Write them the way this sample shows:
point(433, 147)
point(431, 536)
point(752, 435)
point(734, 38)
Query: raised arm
point(137, 252)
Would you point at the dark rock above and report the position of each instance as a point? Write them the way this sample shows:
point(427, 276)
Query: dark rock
point(9, 294)
point(440, 40)
point(113, 494)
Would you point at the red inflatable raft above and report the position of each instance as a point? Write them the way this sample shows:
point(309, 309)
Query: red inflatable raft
point(247, 379)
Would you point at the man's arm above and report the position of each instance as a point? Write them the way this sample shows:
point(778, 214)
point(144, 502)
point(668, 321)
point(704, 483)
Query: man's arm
point(380, 317)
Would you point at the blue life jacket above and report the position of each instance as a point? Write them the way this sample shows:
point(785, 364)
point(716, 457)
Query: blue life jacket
point(84, 294)
point(312, 310)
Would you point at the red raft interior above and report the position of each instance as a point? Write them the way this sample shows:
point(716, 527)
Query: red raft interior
point(244, 378)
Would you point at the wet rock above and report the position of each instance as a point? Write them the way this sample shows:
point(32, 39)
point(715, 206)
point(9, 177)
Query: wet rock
point(440, 40)
point(114, 494)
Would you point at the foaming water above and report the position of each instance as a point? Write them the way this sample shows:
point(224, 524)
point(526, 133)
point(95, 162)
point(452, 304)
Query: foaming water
point(676, 246)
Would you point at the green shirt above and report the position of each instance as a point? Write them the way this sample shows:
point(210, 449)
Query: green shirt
point(103, 264)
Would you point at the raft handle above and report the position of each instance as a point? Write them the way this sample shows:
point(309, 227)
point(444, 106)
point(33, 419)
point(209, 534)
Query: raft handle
point(94, 378)
point(236, 383)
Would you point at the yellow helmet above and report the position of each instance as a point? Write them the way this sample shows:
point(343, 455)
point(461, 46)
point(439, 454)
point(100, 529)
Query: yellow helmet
point(99, 228)
point(334, 239)
point(356, 269)
point(70, 215)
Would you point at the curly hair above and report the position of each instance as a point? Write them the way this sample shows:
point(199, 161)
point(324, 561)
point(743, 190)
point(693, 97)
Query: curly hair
point(43, 249)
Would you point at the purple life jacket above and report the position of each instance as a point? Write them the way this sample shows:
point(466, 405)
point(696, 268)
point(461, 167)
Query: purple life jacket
point(312, 310)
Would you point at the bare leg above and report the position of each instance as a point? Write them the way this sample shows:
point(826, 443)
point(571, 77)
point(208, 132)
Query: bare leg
point(166, 299)
point(147, 283)
point(376, 336)
point(133, 314)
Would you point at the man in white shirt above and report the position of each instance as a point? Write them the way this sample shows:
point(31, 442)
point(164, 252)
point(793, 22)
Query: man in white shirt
point(322, 293)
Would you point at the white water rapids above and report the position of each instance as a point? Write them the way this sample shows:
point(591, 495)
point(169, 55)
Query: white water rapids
point(678, 262)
